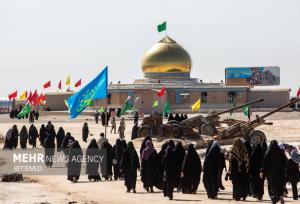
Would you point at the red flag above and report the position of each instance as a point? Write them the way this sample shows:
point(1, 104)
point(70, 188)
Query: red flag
point(78, 83)
point(29, 97)
point(161, 92)
point(41, 98)
point(34, 97)
point(47, 84)
point(298, 93)
point(59, 85)
point(13, 95)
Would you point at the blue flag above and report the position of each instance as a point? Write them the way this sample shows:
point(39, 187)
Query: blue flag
point(96, 89)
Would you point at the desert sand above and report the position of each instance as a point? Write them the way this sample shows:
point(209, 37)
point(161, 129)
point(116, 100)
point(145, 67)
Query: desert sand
point(56, 189)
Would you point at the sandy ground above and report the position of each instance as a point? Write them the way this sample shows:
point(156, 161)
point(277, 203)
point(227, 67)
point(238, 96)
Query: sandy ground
point(56, 189)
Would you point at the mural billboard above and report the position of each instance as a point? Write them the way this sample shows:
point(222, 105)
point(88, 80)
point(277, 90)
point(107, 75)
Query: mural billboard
point(252, 76)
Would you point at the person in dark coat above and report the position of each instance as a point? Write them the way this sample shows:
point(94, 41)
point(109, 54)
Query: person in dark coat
point(96, 116)
point(179, 153)
point(143, 145)
point(238, 170)
point(106, 170)
point(129, 166)
point(181, 117)
point(50, 130)
point(171, 117)
point(9, 140)
point(159, 181)
point(293, 174)
point(43, 132)
point(177, 117)
point(74, 164)
point(12, 114)
point(211, 169)
point(134, 132)
point(49, 145)
point(149, 166)
point(191, 171)
point(85, 132)
point(93, 161)
point(118, 150)
point(33, 135)
point(31, 116)
point(23, 137)
point(59, 138)
point(136, 118)
point(37, 115)
point(274, 169)
point(15, 135)
point(169, 166)
point(103, 118)
point(257, 183)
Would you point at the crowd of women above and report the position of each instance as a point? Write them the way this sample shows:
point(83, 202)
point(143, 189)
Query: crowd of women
point(173, 166)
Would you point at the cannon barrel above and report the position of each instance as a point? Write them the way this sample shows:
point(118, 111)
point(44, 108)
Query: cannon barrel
point(251, 123)
point(236, 107)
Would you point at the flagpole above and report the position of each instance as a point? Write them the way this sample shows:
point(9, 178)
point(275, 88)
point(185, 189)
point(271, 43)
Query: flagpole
point(105, 117)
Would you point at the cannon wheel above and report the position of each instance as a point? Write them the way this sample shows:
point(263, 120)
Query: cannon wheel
point(144, 131)
point(207, 129)
point(257, 137)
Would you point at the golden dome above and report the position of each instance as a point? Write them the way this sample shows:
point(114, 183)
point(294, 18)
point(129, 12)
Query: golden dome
point(166, 56)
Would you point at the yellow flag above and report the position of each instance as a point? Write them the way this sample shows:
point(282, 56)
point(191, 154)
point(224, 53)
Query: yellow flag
point(68, 81)
point(196, 106)
point(23, 96)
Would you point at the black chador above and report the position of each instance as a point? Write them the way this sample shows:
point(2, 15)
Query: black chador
point(43, 131)
point(15, 135)
point(177, 117)
point(49, 145)
point(85, 132)
point(149, 166)
point(274, 169)
point(93, 161)
point(159, 181)
point(169, 166)
point(143, 145)
point(257, 183)
point(238, 170)
point(171, 117)
point(23, 137)
point(129, 165)
point(33, 135)
point(118, 150)
point(59, 138)
point(106, 169)
point(191, 171)
point(75, 160)
point(179, 155)
point(8, 143)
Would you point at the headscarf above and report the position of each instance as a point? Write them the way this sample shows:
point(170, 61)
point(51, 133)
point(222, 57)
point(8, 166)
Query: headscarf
point(93, 144)
point(147, 152)
point(240, 153)
point(213, 145)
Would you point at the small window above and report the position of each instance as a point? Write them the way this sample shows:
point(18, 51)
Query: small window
point(203, 97)
point(232, 97)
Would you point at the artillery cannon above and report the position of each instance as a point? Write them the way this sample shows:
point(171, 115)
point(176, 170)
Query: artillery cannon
point(190, 128)
point(208, 125)
point(247, 130)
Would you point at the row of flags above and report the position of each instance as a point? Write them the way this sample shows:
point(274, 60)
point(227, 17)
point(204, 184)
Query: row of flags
point(68, 83)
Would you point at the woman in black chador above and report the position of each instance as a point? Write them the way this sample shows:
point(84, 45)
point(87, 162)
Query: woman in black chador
point(33, 135)
point(23, 137)
point(85, 132)
point(8, 143)
point(238, 170)
point(171, 117)
point(159, 181)
point(179, 155)
point(49, 145)
point(274, 169)
point(15, 135)
point(211, 169)
point(106, 169)
point(143, 145)
point(149, 164)
point(169, 166)
point(93, 161)
point(43, 131)
point(293, 174)
point(129, 165)
point(118, 150)
point(75, 160)
point(257, 183)
point(177, 117)
point(191, 171)
point(59, 138)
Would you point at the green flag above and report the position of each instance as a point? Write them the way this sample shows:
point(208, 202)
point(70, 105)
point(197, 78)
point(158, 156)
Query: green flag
point(126, 107)
point(155, 104)
point(167, 108)
point(24, 111)
point(246, 110)
point(162, 27)
point(101, 109)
